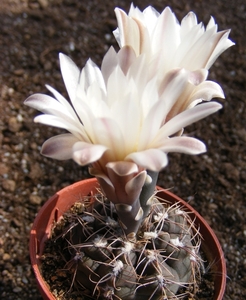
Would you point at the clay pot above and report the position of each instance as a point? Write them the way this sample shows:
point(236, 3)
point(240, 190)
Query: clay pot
point(54, 208)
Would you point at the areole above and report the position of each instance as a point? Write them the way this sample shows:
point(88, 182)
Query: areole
point(58, 204)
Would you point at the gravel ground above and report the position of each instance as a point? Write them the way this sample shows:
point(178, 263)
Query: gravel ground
point(31, 36)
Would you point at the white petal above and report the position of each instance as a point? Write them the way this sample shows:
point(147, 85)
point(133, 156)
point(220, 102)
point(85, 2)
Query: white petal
point(89, 110)
point(152, 123)
point(173, 86)
point(151, 16)
point(128, 117)
point(200, 53)
point(222, 45)
point(85, 153)
point(59, 146)
point(212, 24)
point(64, 123)
point(117, 86)
point(126, 56)
point(150, 159)
point(91, 74)
point(119, 31)
point(123, 168)
point(186, 118)
point(206, 91)
point(166, 38)
point(183, 144)
point(61, 99)
point(70, 74)
point(96, 102)
point(167, 31)
point(149, 97)
point(188, 22)
point(198, 76)
point(186, 51)
point(49, 105)
point(55, 122)
point(108, 133)
point(128, 31)
point(109, 63)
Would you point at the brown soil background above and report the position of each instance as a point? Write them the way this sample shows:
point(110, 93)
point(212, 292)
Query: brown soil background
point(32, 33)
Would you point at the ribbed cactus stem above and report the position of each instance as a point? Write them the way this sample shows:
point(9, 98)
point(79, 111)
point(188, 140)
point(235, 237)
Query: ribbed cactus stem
point(148, 192)
point(158, 261)
point(130, 216)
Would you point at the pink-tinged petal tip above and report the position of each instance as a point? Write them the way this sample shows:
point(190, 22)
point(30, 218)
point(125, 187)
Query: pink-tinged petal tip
point(85, 153)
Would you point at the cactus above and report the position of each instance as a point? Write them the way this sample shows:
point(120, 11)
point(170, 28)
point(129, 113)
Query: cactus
point(160, 261)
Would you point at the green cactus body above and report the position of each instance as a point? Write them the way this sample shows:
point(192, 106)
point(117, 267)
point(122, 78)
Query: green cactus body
point(159, 262)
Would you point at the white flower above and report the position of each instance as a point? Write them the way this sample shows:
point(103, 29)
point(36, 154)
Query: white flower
point(120, 114)
point(169, 44)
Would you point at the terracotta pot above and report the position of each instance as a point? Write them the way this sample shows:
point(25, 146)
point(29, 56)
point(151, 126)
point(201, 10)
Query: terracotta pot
point(54, 208)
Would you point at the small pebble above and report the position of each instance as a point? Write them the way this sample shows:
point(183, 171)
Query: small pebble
point(43, 3)
point(13, 124)
point(24, 280)
point(17, 289)
point(35, 199)
point(3, 169)
point(9, 185)
point(6, 257)
point(19, 72)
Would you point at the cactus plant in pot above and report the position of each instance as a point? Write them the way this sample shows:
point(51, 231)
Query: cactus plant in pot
point(128, 239)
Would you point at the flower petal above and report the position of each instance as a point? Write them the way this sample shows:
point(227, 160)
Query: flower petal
point(70, 74)
point(127, 32)
point(223, 44)
point(166, 30)
point(200, 53)
point(59, 146)
point(85, 153)
point(49, 105)
point(57, 113)
point(108, 63)
point(183, 144)
point(171, 89)
point(198, 76)
point(134, 186)
point(108, 133)
point(126, 57)
point(117, 86)
point(186, 118)
point(130, 126)
point(61, 99)
point(91, 74)
point(63, 122)
point(173, 86)
point(188, 23)
point(101, 176)
point(206, 91)
point(150, 159)
point(122, 168)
